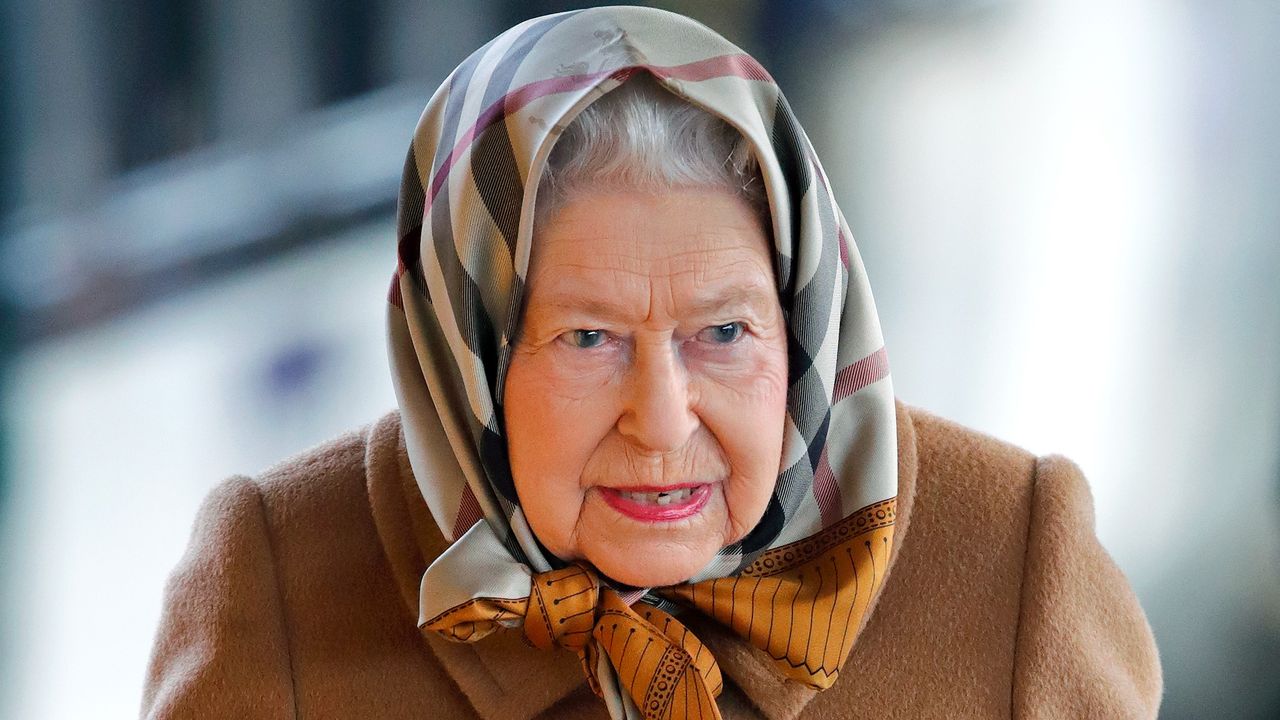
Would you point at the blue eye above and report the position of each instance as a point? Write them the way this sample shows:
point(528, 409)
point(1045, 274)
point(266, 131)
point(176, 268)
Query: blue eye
point(587, 338)
point(723, 334)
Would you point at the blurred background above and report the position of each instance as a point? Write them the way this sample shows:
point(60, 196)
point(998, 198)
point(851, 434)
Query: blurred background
point(1067, 209)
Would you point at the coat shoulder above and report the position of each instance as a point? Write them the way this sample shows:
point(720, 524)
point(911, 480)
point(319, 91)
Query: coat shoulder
point(968, 460)
point(336, 461)
point(221, 625)
point(289, 603)
point(316, 500)
point(1000, 534)
point(317, 506)
point(351, 506)
point(944, 436)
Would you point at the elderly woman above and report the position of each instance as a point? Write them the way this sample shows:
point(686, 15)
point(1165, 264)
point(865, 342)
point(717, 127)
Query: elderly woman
point(647, 461)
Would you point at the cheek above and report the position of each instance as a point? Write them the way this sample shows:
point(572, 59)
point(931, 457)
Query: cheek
point(552, 429)
point(748, 419)
point(749, 395)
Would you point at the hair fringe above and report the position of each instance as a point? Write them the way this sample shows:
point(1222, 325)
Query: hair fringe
point(642, 137)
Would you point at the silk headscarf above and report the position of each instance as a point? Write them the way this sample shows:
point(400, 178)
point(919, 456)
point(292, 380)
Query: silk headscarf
point(464, 223)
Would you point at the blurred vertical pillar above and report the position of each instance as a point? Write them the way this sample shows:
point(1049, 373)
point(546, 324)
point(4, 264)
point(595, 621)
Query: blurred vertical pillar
point(8, 152)
point(54, 154)
point(159, 104)
point(8, 107)
point(258, 64)
point(425, 41)
point(8, 352)
point(1218, 611)
point(60, 142)
point(790, 34)
point(798, 39)
point(341, 34)
point(736, 20)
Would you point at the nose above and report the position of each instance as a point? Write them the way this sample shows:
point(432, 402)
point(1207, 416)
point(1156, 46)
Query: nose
point(658, 414)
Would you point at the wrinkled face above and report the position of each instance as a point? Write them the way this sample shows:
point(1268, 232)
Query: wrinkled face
point(646, 397)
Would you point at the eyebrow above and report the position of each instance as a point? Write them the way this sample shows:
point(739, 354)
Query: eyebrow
point(749, 296)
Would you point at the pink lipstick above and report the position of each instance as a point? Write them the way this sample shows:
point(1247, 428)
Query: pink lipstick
point(658, 504)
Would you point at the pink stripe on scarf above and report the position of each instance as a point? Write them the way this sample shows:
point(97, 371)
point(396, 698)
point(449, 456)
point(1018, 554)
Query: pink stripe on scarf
point(826, 492)
point(469, 513)
point(393, 293)
point(860, 374)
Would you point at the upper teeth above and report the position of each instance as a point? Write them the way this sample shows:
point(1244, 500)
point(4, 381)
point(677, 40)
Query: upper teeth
point(659, 498)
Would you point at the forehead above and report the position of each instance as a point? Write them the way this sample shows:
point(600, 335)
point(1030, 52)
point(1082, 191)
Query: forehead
point(686, 243)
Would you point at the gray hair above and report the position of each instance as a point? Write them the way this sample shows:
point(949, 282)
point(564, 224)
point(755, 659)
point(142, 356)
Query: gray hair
point(642, 137)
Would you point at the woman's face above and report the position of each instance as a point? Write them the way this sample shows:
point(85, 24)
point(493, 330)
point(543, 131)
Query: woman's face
point(646, 397)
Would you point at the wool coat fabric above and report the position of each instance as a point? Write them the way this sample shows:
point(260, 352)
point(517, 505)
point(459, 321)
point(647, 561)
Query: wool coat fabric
point(298, 598)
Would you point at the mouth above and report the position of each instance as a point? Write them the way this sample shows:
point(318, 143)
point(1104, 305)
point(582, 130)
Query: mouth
point(658, 504)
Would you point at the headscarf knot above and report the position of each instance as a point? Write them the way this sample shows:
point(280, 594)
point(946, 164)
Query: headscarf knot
point(563, 608)
point(801, 604)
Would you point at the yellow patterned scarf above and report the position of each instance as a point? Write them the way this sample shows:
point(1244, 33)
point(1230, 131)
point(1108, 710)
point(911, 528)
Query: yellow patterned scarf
point(801, 603)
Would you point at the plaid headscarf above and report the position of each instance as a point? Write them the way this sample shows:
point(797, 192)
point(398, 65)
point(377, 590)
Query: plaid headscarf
point(465, 219)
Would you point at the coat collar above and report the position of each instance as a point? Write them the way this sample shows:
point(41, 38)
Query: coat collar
point(503, 677)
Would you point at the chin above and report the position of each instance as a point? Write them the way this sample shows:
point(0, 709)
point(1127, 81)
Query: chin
point(643, 575)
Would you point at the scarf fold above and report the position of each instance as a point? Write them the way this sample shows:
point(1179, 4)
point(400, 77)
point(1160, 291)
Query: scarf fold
point(798, 586)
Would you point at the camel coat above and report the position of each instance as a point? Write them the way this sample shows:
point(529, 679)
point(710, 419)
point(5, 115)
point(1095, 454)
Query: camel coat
point(297, 598)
